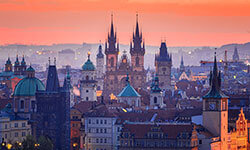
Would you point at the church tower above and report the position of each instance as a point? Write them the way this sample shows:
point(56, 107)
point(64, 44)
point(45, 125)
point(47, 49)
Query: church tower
point(163, 64)
point(236, 55)
point(137, 49)
point(215, 108)
point(111, 49)
point(8, 65)
point(53, 110)
point(88, 83)
point(100, 68)
point(156, 98)
point(23, 66)
point(17, 66)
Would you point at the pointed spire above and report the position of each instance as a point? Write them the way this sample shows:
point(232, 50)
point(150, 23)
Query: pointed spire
point(23, 61)
point(182, 62)
point(52, 80)
point(112, 27)
point(17, 61)
point(215, 82)
point(8, 61)
point(236, 55)
point(137, 26)
point(67, 84)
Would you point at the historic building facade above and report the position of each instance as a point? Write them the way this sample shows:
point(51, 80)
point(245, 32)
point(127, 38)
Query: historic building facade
point(158, 136)
point(88, 82)
point(163, 64)
point(116, 71)
point(100, 69)
point(53, 111)
point(12, 75)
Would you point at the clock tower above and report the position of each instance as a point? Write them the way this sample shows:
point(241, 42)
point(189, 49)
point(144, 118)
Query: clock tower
point(215, 108)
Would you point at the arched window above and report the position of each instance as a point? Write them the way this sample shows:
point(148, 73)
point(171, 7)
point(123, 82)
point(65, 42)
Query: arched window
point(87, 77)
point(112, 62)
point(87, 98)
point(137, 61)
point(22, 104)
point(155, 100)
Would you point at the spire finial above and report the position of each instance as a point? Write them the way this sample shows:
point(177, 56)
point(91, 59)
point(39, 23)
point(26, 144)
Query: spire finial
point(127, 79)
point(54, 60)
point(137, 16)
point(112, 17)
point(88, 55)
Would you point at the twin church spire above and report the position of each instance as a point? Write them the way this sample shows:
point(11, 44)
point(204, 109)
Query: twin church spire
point(111, 45)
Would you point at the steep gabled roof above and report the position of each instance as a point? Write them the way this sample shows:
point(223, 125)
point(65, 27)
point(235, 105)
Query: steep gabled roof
point(52, 80)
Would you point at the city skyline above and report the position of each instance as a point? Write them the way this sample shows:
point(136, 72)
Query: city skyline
point(189, 23)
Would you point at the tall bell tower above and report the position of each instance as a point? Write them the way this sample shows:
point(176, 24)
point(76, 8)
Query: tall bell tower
point(215, 108)
point(111, 49)
point(137, 49)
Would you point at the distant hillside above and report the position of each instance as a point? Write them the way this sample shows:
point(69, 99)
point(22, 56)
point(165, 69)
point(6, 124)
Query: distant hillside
point(192, 55)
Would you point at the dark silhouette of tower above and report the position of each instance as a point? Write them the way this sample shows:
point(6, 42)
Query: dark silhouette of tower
point(163, 64)
point(236, 55)
point(111, 49)
point(137, 49)
point(53, 110)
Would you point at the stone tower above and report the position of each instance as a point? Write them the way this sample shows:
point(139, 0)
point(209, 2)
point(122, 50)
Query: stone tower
point(137, 49)
point(156, 98)
point(20, 68)
point(8, 66)
point(88, 82)
point(111, 49)
point(100, 69)
point(163, 64)
point(53, 111)
point(215, 108)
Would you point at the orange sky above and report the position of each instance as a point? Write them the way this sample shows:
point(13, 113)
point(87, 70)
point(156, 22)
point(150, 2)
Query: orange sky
point(182, 22)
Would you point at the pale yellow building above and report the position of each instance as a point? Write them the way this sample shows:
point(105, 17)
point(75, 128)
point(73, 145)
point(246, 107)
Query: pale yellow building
point(13, 128)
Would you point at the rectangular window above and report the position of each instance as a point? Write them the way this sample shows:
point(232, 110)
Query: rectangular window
point(16, 134)
point(89, 121)
point(105, 140)
point(97, 140)
point(6, 126)
point(101, 121)
point(97, 130)
point(16, 125)
point(89, 130)
point(89, 140)
point(97, 121)
point(100, 140)
point(23, 124)
point(223, 105)
point(23, 133)
point(105, 121)
point(105, 130)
